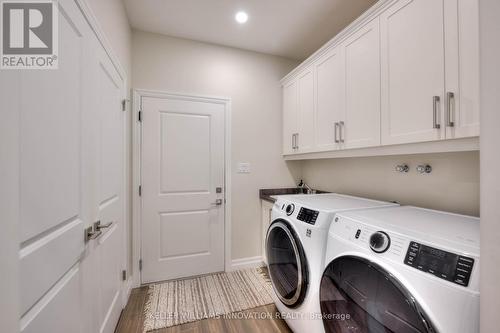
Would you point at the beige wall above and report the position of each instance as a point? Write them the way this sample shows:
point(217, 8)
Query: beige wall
point(452, 186)
point(489, 11)
point(251, 80)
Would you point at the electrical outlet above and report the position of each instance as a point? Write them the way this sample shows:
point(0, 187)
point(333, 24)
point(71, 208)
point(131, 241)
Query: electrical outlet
point(243, 167)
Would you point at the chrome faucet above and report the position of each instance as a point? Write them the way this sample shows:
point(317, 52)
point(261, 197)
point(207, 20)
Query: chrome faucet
point(305, 188)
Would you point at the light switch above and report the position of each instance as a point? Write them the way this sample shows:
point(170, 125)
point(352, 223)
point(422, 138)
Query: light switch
point(243, 167)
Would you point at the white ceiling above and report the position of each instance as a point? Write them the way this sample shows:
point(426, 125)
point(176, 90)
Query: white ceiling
point(288, 28)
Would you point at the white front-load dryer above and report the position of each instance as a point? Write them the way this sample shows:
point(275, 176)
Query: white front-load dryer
point(295, 248)
point(401, 269)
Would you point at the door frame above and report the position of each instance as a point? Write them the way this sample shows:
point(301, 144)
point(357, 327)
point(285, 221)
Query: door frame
point(137, 95)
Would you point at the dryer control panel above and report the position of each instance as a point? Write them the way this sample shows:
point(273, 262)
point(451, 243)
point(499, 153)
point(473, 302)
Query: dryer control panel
point(445, 265)
point(307, 215)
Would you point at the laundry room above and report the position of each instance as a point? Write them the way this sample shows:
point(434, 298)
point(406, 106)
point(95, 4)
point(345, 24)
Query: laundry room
point(305, 166)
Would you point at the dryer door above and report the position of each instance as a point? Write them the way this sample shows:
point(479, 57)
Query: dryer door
point(357, 295)
point(287, 263)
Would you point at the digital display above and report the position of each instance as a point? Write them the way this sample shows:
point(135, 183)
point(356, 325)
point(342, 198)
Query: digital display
point(438, 261)
point(445, 265)
point(307, 215)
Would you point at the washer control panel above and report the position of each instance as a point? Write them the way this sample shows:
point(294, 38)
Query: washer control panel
point(445, 265)
point(307, 215)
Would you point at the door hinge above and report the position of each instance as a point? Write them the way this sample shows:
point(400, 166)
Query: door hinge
point(140, 116)
point(140, 264)
point(140, 190)
point(124, 275)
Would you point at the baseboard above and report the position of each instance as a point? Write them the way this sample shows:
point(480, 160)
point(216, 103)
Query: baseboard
point(248, 262)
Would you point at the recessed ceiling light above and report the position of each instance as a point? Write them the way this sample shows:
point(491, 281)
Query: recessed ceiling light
point(241, 17)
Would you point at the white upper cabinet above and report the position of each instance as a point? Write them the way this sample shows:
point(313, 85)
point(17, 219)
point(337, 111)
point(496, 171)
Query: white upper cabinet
point(412, 55)
point(361, 123)
point(289, 117)
point(330, 99)
point(304, 141)
point(462, 68)
point(406, 72)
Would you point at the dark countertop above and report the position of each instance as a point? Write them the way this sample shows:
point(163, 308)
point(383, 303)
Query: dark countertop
point(265, 194)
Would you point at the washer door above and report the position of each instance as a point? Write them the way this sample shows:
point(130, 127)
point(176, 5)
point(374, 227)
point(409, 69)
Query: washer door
point(287, 263)
point(357, 295)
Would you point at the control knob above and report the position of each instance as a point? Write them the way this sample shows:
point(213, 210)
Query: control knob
point(380, 242)
point(289, 209)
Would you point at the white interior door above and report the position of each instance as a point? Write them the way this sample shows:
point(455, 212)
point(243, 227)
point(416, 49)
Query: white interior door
point(182, 164)
point(110, 191)
point(412, 58)
point(71, 174)
point(51, 185)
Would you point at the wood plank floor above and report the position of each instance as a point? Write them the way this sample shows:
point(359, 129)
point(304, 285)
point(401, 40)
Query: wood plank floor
point(132, 319)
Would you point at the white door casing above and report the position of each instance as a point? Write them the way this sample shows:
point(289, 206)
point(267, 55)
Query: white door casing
point(182, 164)
point(412, 58)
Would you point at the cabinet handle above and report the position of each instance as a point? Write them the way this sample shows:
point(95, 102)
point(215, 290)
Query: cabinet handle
point(341, 132)
point(336, 126)
point(435, 110)
point(450, 109)
point(296, 140)
point(293, 141)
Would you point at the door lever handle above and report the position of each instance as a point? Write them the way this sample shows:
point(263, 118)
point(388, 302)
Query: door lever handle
point(98, 226)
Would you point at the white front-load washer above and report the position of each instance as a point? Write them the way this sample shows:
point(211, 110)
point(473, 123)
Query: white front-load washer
point(295, 248)
point(401, 269)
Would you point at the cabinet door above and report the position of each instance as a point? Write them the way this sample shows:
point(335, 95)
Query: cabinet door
point(361, 126)
point(330, 98)
point(289, 117)
point(305, 138)
point(462, 68)
point(412, 58)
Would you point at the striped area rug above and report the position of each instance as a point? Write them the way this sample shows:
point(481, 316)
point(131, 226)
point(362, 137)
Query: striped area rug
point(181, 301)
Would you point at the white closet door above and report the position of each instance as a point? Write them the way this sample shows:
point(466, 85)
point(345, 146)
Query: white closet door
point(462, 68)
point(51, 191)
point(110, 191)
point(103, 261)
point(330, 98)
point(362, 88)
point(412, 57)
point(305, 138)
